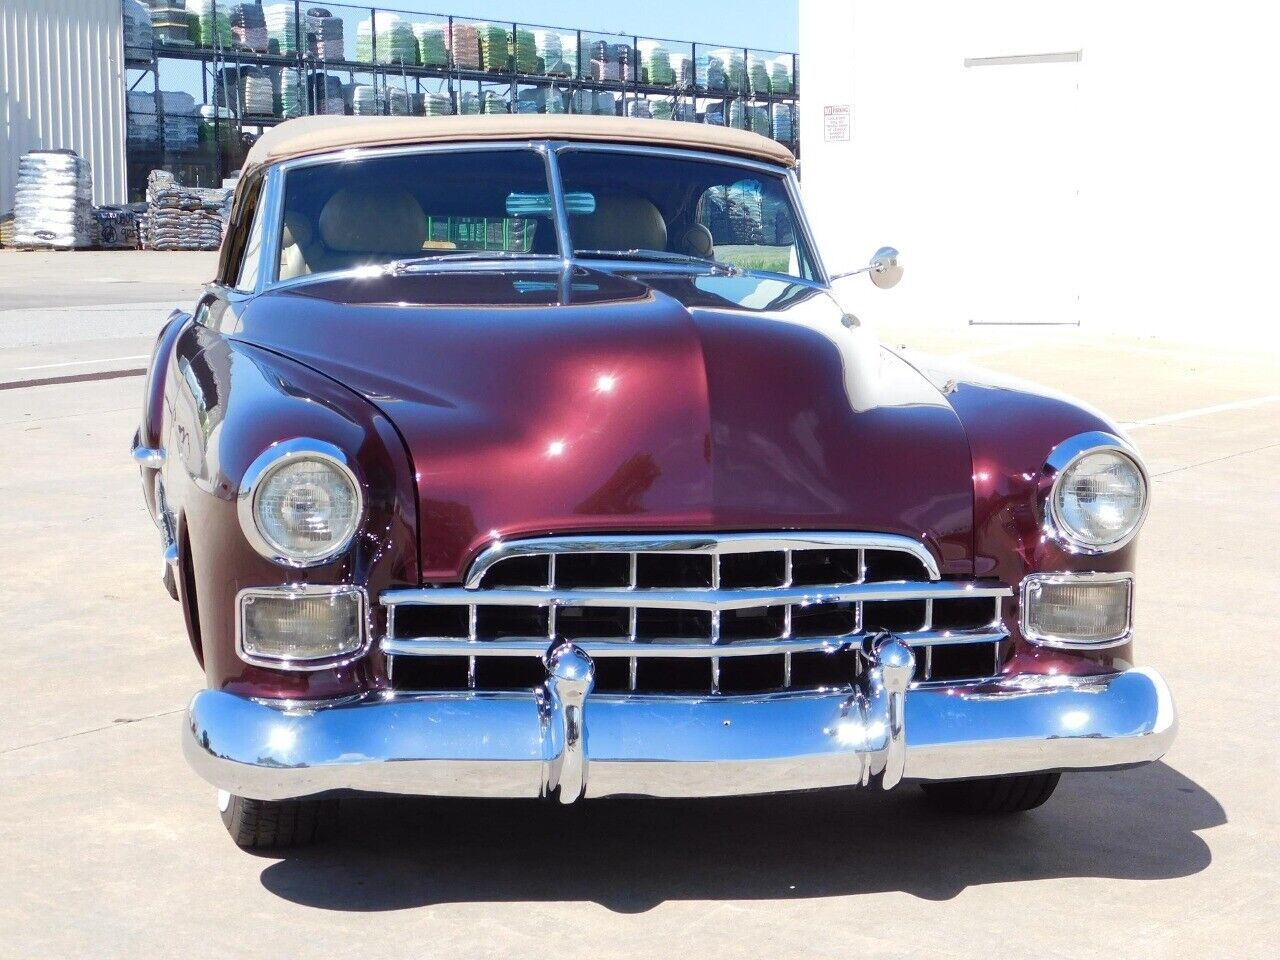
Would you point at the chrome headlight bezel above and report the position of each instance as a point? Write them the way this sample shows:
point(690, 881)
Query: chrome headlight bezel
point(267, 463)
point(1060, 460)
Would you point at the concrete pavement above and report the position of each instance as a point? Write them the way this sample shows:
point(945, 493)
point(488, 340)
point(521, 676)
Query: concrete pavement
point(113, 848)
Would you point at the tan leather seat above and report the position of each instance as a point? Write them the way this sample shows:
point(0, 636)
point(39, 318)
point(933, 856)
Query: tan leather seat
point(620, 222)
point(297, 238)
point(368, 224)
point(697, 241)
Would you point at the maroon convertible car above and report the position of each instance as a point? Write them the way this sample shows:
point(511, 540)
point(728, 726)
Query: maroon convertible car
point(533, 456)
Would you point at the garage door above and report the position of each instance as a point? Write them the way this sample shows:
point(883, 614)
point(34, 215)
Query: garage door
point(1019, 161)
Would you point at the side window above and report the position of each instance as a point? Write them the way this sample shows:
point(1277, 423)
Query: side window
point(244, 222)
point(251, 259)
point(751, 227)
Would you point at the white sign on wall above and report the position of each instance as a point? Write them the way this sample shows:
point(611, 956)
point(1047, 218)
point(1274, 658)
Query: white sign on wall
point(835, 122)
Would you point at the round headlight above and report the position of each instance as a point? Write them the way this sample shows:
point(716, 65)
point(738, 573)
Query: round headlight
point(1099, 499)
point(304, 504)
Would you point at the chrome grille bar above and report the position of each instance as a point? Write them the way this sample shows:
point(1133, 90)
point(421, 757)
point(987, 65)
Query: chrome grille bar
point(724, 543)
point(713, 600)
point(623, 647)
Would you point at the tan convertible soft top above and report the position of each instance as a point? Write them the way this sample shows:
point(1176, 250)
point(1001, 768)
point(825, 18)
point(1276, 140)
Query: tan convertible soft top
point(307, 136)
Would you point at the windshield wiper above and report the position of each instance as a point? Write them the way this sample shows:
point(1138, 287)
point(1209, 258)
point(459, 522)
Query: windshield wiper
point(451, 256)
point(661, 256)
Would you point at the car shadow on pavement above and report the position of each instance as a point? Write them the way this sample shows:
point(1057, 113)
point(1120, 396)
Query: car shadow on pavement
point(631, 855)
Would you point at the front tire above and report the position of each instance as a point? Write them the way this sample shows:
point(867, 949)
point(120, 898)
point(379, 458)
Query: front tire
point(274, 824)
point(994, 796)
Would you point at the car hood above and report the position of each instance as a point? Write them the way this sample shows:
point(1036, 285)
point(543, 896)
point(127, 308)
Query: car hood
point(534, 403)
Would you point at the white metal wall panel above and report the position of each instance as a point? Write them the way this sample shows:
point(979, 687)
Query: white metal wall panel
point(62, 87)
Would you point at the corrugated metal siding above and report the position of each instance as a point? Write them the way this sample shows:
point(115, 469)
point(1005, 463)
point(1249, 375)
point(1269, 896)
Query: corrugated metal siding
point(62, 87)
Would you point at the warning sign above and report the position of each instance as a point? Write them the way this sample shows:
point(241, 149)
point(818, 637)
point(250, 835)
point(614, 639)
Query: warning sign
point(835, 122)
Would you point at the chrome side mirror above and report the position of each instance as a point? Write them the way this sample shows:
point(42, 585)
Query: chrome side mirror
point(884, 268)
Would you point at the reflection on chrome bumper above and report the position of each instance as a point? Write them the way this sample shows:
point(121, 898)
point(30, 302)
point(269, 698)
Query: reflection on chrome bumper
point(565, 742)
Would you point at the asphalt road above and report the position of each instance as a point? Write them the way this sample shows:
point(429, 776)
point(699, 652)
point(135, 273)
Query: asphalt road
point(113, 848)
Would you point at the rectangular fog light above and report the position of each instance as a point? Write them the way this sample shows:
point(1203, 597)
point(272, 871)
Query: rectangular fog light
point(295, 628)
point(1081, 610)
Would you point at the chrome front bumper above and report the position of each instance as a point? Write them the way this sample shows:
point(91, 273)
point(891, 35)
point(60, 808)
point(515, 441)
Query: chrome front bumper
point(562, 741)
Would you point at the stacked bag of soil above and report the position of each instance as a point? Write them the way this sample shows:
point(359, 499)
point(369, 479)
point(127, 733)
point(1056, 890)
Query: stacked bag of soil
point(248, 27)
point(282, 29)
point(213, 23)
point(464, 45)
point(182, 218)
point(324, 34)
point(324, 94)
point(556, 53)
point(138, 33)
point(433, 47)
point(53, 203)
point(290, 92)
point(174, 25)
point(655, 64)
point(115, 228)
point(495, 47)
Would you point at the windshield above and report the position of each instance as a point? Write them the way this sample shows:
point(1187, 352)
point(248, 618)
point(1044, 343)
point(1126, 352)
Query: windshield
point(655, 207)
point(377, 210)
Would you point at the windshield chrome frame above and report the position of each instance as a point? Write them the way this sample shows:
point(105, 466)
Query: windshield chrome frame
point(549, 150)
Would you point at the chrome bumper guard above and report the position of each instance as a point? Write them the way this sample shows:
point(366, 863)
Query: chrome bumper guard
point(564, 742)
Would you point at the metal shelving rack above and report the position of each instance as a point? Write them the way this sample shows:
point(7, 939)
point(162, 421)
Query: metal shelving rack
point(450, 79)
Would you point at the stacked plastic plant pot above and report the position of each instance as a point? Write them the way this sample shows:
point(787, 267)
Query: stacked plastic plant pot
point(325, 40)
point(282, 29)
point(53, 202)
point(248, 27)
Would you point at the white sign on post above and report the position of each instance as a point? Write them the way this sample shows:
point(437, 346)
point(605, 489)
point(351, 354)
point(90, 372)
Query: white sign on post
point(835, 123)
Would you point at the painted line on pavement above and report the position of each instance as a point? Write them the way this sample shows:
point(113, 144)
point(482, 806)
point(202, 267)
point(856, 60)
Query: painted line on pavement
point(1202, 412)
point(72, 378)
point(80, 363)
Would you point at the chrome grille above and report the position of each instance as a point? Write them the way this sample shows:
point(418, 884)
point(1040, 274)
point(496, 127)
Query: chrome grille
point(735, 613)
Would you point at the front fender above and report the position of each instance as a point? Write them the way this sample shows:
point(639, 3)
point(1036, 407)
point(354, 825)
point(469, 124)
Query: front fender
point(1012, 425)
point(229, 402)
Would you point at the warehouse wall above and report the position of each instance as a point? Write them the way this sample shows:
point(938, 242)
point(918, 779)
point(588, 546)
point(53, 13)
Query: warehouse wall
point(1133, 190)
point(62, 87)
